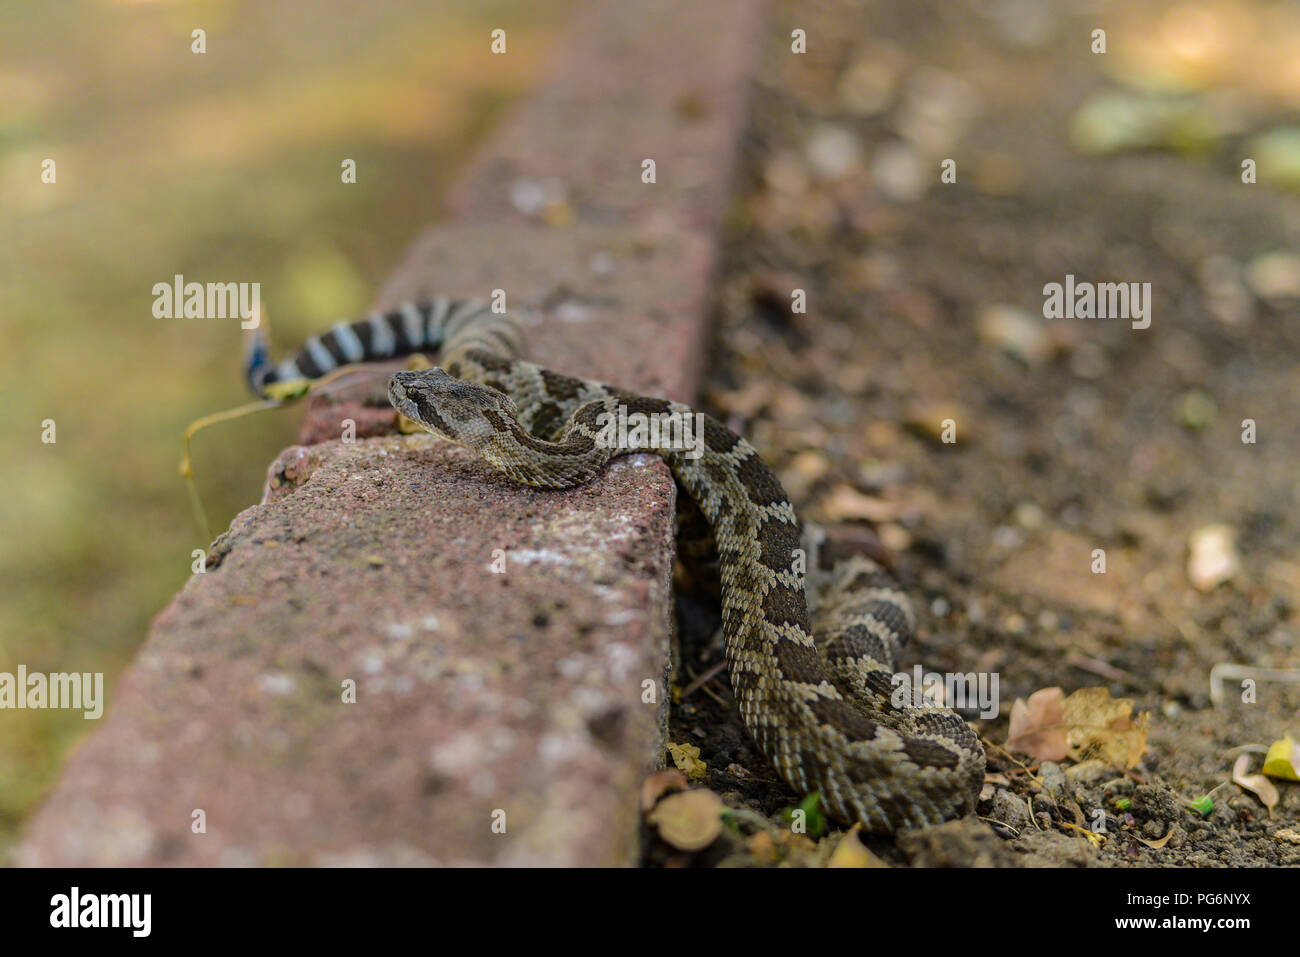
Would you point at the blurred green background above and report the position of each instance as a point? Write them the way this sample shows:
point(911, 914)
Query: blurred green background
point(222, 166)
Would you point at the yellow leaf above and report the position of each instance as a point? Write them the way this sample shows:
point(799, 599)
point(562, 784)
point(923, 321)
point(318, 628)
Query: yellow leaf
point(849, 852)
point(687, 759)
point(1283, 760)
point(1102, 726)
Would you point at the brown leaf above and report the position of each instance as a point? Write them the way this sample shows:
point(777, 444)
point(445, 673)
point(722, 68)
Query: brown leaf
point(844, 502)
point(1257, 784)
point(1038, 725)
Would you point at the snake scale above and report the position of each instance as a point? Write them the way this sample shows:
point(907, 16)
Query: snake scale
point(819, 708)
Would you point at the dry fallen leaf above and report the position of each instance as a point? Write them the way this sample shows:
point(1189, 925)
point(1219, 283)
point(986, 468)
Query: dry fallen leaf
point(1257, 784)
point(1283, 760)
point(845, 503)
point(687, 758)
point(1102, 726)
point(688, 820)
point(850, 852)
point(1087, 724)
point(1037, 725)
point(943, 422)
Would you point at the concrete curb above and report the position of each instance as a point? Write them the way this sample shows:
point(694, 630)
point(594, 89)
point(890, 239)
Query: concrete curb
point(499, 641)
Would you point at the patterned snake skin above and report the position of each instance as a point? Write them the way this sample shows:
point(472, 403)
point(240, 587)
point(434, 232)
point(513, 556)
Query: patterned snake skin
point(820, 708)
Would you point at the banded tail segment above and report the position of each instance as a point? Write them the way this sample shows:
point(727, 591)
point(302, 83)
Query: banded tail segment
point(411, 327)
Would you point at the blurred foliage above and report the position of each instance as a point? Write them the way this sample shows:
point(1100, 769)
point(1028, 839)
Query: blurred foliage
point(221, 166)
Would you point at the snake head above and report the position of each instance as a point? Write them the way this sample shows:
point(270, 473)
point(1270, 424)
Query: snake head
point(461, 411)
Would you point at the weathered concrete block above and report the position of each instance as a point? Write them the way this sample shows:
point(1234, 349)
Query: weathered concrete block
point(475, 691)
point(653, 80)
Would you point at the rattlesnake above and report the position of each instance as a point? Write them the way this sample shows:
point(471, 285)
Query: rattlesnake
point(819, 710)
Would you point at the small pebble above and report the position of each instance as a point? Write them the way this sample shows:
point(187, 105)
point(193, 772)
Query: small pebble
point(1212, 558)
point(894, 537)
point(1275, 275)
point(935, 110)
point(1028, 516)
point(867, 87)
point(1015, 332)
point(1052, 778)
point(1087, 773)
point(833, 152)
point(1011, 810)
point(1196, 409)
point(900, 173)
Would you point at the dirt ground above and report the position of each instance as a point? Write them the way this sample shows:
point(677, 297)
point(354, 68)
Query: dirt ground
point(925, 302)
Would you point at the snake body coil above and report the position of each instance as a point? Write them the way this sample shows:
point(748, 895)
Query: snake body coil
point(820, 709)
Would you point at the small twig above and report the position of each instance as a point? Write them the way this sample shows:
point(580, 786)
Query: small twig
point(995, 821)
point(703, 679)
point(1027, 769)
point(713, 694)
point(1248, 749)
point(279, 395)
point(1098, 667)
